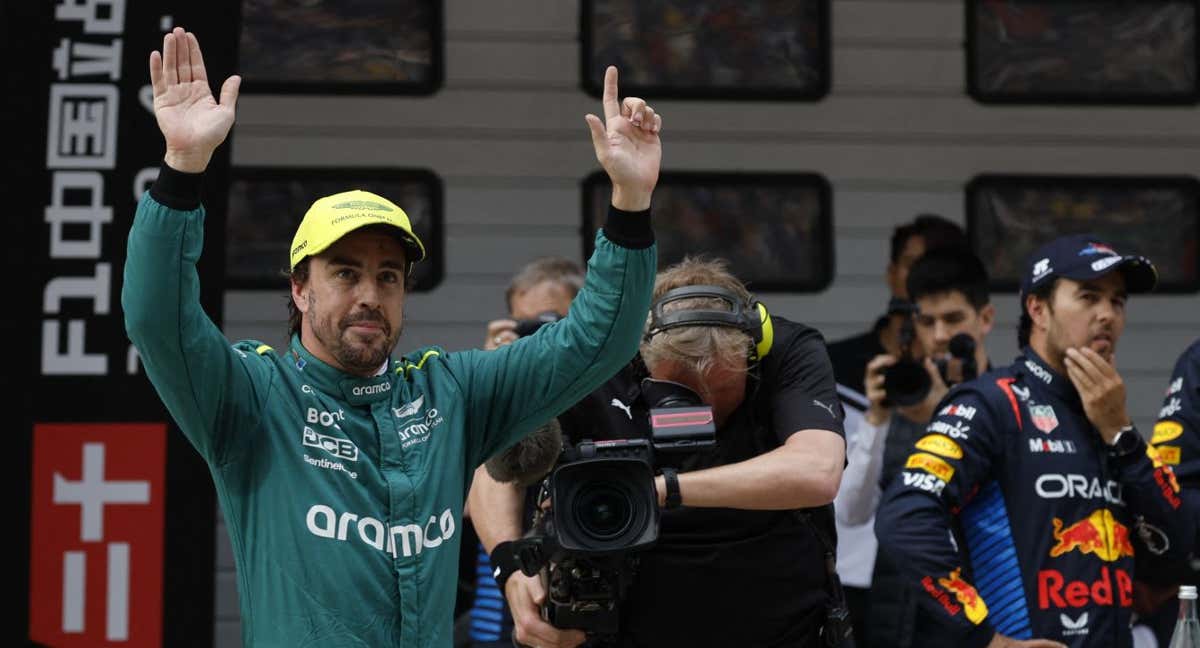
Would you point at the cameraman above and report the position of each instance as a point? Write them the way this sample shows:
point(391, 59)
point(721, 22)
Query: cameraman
point(949, 289)
point(734, 565)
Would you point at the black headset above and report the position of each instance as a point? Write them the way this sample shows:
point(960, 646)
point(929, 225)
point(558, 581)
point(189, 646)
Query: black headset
point(749, 316)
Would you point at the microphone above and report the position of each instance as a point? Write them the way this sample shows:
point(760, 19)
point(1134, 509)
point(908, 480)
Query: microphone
point(962, 346)
point(527, 461)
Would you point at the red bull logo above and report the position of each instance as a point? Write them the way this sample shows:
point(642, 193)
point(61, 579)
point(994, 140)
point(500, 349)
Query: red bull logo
point(1164, 477)
point(974, 606)
point(1099, 534)
point(1055, 590)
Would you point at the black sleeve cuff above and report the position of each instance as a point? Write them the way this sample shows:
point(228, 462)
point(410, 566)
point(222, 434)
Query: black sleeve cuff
point(629, 229)
point(176, 189)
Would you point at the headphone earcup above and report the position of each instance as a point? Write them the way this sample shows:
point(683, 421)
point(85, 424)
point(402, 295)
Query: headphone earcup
point(764, 336)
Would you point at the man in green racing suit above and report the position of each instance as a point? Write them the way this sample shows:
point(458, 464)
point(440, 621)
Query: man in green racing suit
point(342, 472)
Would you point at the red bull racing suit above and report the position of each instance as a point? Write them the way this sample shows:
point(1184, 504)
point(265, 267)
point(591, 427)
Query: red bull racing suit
point(1051, 517)
point(1177, 440)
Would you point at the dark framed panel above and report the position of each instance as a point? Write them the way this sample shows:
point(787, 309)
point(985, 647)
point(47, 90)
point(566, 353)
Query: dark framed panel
point(708, 49)
point(774, 229)
point(266, 205)
point(337, 47)
point(1083, 51)
point(1010, 216)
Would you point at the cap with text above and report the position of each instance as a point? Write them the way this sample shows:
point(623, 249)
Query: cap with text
point(332, 217)
point(1083, 257)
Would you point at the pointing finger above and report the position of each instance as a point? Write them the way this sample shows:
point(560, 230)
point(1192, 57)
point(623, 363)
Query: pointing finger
point(611, 108)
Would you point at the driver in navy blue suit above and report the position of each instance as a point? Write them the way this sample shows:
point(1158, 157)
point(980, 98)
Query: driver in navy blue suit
point(1038, 462)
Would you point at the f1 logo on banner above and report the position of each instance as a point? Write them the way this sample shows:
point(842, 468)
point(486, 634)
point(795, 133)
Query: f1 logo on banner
point(96, 575)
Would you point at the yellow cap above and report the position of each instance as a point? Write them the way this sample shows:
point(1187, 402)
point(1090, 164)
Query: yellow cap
point(332, 217)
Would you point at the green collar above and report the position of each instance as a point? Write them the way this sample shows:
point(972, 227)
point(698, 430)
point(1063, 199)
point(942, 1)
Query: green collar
point(353, 389)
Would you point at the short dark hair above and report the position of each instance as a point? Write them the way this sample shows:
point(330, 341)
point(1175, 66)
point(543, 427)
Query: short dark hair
point(560, 270)
point(949, 270)
point(1025, 327)
point(299, 275)
point(935, 230)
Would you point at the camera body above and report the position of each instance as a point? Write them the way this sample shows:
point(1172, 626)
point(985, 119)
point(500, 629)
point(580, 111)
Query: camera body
point(530, 326)
point(603, 512)
point(907, 383)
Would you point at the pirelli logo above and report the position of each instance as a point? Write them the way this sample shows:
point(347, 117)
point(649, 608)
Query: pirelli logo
point(931, 465)
point(1169, 454)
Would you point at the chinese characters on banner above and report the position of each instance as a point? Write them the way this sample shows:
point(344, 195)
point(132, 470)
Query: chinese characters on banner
point(120, 509)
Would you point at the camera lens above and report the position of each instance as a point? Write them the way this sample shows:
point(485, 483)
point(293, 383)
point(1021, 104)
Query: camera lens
point(906, 383)
point(602, 511)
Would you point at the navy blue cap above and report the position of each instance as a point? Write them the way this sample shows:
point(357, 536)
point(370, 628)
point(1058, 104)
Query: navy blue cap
point(1082, 257)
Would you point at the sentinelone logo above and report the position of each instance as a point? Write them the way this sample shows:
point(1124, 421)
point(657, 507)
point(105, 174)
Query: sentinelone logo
point(324, 522)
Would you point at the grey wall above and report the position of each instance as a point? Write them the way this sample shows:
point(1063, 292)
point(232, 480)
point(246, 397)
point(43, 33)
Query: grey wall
point(897, 135)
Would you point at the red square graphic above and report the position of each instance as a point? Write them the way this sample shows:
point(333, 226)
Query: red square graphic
point(96, 569)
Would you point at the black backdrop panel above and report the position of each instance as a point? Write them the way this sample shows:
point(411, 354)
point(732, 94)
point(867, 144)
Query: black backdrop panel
point(119, 507)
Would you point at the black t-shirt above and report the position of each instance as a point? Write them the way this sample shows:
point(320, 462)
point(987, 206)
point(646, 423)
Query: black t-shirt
point(729, 577)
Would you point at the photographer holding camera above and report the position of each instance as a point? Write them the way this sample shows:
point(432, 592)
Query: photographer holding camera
point(951, 317)
point(744, 537)
point(909, 242)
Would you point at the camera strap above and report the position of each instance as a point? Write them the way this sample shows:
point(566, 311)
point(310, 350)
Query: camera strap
point(837, 629)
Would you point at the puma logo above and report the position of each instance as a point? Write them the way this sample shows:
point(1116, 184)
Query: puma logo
point(623, 407)
point(827, 408)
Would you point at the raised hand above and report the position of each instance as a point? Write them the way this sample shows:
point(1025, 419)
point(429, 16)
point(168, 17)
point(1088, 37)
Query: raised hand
point(192, 122)
point(627, 146)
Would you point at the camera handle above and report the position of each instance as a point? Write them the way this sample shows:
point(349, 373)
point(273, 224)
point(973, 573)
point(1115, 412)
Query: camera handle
point(529, 555)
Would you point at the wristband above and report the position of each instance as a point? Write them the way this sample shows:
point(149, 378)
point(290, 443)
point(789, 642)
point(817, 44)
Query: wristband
point(504, 563)
point(674, 498)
